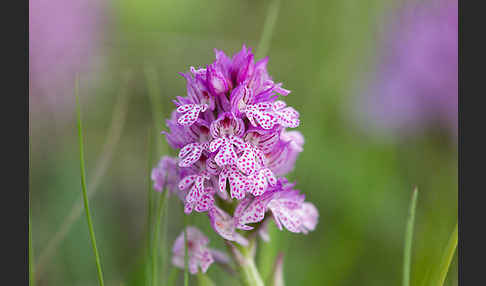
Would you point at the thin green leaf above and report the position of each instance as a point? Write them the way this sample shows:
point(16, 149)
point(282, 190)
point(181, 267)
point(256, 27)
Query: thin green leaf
point(268, 27)
point(149, 208)
point(83, 183)
point(112, 138)
point(407, 250)
point(446, 259)
point(268, 251)
point(277, 278)
point(163, 242)
point(155, 243)
point(186, 256)
point(161, 148)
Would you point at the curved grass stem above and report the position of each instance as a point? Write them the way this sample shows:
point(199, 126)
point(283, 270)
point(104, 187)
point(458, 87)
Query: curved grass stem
point(113, 137)
point(83, 184)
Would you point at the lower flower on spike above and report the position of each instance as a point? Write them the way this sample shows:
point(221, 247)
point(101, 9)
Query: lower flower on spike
point(199, 255)
point(224, 225)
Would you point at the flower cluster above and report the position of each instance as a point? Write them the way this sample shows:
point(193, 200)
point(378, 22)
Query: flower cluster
point(231, 131)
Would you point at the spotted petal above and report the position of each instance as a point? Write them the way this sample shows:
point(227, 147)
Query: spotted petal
point(204, 203)
point(186, 182)
point(287, 116)
point(260, 181)
point(239, 183)
point(226, 154)
point(247, 162)
point(198, 253)
point(222, 179)
point(250, 211)
point(190, 154)
point(191, 113)
point(309, 216)
point(185, 108)
point(215, 144)
point(224, 225)
point(285, 216)
point(261, 115)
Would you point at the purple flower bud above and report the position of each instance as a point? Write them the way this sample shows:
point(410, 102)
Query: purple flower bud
point(217, 83)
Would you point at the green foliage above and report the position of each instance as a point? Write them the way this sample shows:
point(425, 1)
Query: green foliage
point(407, 249)
point(83, 184)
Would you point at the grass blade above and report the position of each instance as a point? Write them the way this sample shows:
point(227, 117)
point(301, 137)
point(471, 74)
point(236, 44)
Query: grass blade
point(149, 208)
point(186, 258)
point(268, 251)
point(268, 27)
point(163, 240)
point(155, 243)
point(113, 137)
point(83, 183)
point(447, 256)
point(407, 250)
point(157, 118)
point(31, 255)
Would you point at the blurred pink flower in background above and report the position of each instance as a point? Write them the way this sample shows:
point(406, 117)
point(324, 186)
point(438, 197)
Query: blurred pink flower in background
point(63, 39)
point(415, 85)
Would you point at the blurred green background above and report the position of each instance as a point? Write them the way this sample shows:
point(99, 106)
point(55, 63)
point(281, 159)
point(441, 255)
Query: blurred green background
point(361, 184)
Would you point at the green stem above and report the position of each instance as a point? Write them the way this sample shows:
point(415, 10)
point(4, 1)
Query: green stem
point(268, 27)
point(112, 139)
point(244, 257)
point(163, 242)
point(250, 274)
point(149, 207)
point(407, 250)
point(155, 242)
point(186, 256)
point(447, 257)
point(83, 184)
